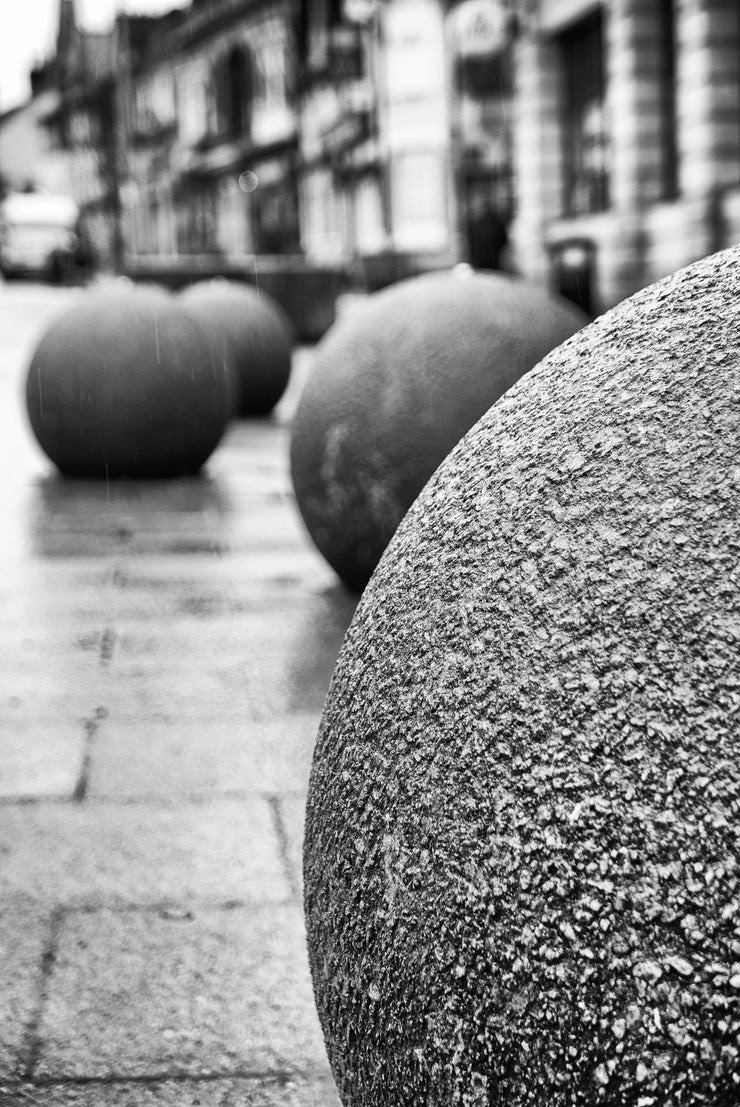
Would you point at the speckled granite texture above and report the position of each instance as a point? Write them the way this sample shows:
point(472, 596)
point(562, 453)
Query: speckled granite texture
point(522, 846)
point(395, 386)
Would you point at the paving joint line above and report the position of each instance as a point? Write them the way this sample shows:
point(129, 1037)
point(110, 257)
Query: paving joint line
point(192, 799)
point(164, 801)
point(91, 725)
point(177, 910)
point(108, 643)
point(279, 1077)
point(281, 834)
point(33, 1041)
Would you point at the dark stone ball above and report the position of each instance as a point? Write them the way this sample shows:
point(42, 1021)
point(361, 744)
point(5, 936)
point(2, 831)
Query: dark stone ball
point(250, 334)
point(123, 384)
point(394, 387)
point(522, 848)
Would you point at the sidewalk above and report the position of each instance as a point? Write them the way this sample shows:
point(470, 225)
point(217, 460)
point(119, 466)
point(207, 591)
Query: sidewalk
point(164, 654)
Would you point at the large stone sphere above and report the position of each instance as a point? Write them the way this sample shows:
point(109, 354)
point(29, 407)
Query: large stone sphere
point(522, 851)
point(250, 334)
point(392, 390)
point(123, 384)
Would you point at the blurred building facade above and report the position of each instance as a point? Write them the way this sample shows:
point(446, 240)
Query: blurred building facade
point(81, 128)
point(627, 139)
point(211, 134)
point(374, 129)
point(590, 144)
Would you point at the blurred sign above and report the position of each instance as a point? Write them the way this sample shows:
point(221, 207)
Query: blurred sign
point(479, 27)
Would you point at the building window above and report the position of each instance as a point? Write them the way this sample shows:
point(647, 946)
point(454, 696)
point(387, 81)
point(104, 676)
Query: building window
point(585, 133)
point(668, 115)
point(239, 91)
point(275, 219)
point(233, 82)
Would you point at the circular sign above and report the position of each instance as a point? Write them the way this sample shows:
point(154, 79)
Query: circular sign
point(479, 27)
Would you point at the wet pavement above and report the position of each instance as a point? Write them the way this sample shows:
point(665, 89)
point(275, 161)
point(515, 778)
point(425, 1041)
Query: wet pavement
point(165, 649)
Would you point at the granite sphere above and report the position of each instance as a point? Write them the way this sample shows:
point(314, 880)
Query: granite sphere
point(522, 847)
point(123, 384)
point(250, 334)
point(395, 386)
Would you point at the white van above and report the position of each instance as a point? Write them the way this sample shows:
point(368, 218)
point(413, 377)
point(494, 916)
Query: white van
point(38, 234)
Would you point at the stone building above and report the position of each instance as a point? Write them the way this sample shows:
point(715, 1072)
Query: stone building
point(627, 139)
point(147, 129)
point(210, 132)
point(375, 184)
point(589, 144)
point(405, 132)
point(82, 128)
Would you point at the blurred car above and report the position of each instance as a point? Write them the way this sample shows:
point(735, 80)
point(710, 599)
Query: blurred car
point(39, 235)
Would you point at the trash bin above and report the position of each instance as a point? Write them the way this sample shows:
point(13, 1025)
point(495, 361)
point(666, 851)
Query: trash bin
point(572, 263)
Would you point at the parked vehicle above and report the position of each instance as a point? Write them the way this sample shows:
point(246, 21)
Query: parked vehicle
point(39, 235)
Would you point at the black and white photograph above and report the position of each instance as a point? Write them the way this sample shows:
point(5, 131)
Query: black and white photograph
point(370, 553)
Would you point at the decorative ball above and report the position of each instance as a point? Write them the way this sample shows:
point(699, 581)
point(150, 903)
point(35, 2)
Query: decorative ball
point(522, 849)
point(123, 384)
point(394, 387)
point(250, 334)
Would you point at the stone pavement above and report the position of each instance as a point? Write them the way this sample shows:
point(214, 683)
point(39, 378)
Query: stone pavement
point(164, 653)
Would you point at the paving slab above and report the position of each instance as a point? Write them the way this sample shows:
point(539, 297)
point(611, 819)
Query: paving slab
point(151, 655)
point(25, 932)
point(203, 992)
point(118, 854)
point(249, 665)
point(261, 526)
point(165, 650)
point(176, 758)
point(318, 1091)
point(30, 692)
point(47, 597)
point(44, 758)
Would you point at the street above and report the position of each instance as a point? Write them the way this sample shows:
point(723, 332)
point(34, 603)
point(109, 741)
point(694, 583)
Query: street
point(165, 649)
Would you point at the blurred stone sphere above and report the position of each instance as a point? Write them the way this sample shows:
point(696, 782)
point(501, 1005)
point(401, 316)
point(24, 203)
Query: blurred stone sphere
point(522, 848)
point(249, 333)
point(123, 384)
point(393, 388)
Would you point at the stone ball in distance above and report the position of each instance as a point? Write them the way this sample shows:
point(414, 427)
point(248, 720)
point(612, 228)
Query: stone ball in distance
point(251, 334)
point(394, 387)
point(522, 849)
point(123, 384)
